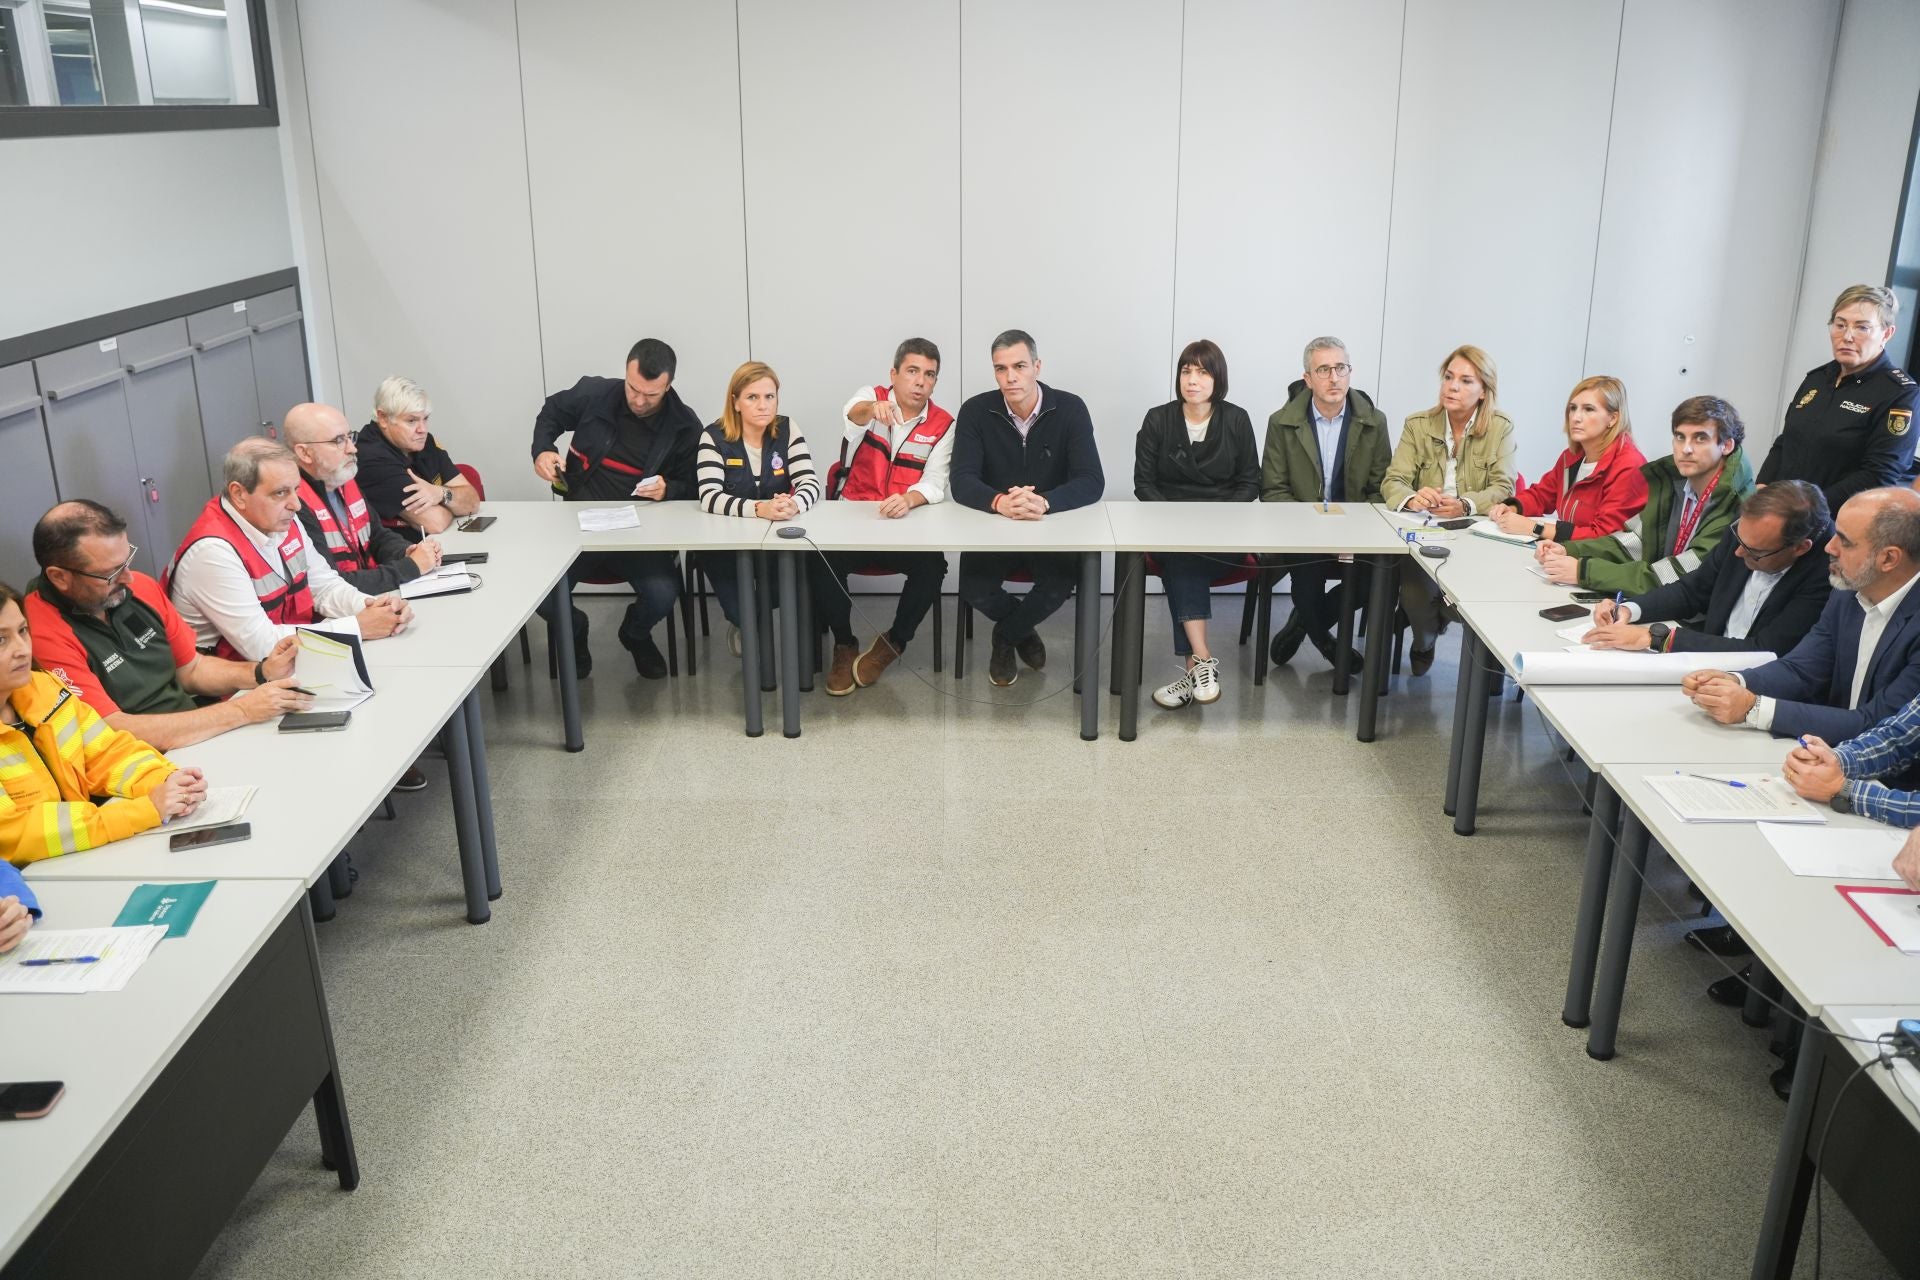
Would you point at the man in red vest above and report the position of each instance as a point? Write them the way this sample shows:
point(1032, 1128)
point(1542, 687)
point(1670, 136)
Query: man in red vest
point(334, 514)
point(242, 578)
point(896, 450)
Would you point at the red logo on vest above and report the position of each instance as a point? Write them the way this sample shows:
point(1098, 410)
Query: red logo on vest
point(346, 548)
point(875, 472)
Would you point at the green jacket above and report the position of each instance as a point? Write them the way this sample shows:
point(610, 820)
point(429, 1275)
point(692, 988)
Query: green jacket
point(1291, 470)
point(1486, 468)
point(1635, 560)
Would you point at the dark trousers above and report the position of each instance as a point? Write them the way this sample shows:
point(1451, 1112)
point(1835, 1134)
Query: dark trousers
point(1189, 583)
point(1316, 591)
point(925, 570)
point(723, 571)
point(654, 577)
point(1055, 574)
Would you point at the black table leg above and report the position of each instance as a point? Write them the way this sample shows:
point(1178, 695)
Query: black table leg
point(1793, 1173)
point(466, 819)
point(1473, 746)
point(1086, 636)
point(1343, 630)
point(1129, 637)
point(483, 792)
point(330, 1099)
point(1457, 748)
point(560, 642)
point(789, 645)
point(1373, 663)
point(749, 642)
point(1577, 1011)
point(1623, 913)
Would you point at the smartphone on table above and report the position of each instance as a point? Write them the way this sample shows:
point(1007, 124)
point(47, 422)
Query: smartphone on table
point(1564, 612)
point(208, 837)
point(29, 1100)
point(314, 721)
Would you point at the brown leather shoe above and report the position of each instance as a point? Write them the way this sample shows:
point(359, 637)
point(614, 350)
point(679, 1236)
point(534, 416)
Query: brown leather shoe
point(840, 679)
point(1422, 660)
point(873, 664)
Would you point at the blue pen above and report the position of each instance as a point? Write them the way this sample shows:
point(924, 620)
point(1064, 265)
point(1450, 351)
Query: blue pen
point(41, 964)
point(1724, 781)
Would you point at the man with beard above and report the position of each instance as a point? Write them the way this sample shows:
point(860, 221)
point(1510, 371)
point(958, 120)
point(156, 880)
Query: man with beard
point(366, 553)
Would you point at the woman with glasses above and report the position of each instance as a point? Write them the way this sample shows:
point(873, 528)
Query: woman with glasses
point(1595, 486)
point(1850, 425)
point(1197, 448)
point(1456, 459)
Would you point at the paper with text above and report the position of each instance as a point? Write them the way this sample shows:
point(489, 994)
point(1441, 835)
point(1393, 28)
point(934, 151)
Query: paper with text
point(1762, 798)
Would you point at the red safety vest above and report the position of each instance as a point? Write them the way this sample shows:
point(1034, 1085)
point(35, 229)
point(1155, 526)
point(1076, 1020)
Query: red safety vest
point(874, 472)
point(283, 592)
point(347, 548)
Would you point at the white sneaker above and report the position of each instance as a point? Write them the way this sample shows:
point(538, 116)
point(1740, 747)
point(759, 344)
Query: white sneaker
point(1205, 677)
point(1176, 695)
point(733, 640)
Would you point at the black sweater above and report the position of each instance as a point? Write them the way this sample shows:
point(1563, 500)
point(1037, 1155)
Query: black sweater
point(1058, 457)
point(1169, 467)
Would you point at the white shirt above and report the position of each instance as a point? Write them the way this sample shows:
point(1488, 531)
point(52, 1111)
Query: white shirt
point(214, 593)
point(1197, 431)
point(932, 484)
point(1328, 430)
point(1024, 425)
point(1872, 626)
point(1751, 601)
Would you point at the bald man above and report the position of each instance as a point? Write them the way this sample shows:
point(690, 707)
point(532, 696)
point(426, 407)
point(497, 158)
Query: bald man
point(370, 556)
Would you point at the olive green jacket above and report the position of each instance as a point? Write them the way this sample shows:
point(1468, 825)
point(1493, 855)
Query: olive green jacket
point(1290, 470)
point(1635, 560)
point(1486, 468)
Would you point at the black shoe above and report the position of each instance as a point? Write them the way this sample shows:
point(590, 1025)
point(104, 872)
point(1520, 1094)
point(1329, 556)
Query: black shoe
point(1000, 667)
point(411, 780)
point(1782, 1082)
point(1730, 991)
point(1287, 642)
point(1719, 940)
point(1324, 643)
point(1032, 651)
point(647, 659)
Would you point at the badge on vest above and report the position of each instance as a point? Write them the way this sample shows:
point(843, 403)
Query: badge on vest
point(1807, 399)
point(1899, 421)
point(146, 637)
point(1851, 407)
point(112, 662)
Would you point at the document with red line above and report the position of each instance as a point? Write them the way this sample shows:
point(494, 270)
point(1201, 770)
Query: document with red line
point(1892, 913)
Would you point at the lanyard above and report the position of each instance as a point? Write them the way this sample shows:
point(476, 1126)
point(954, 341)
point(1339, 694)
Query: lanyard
point(1688, 524)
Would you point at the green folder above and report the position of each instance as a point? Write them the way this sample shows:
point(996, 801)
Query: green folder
point(173, 905)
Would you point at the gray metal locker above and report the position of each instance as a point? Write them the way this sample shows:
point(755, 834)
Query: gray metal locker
point(26, 481)
point(223, 371)
point(279, 354)
point(169, 447)
point(91, 438)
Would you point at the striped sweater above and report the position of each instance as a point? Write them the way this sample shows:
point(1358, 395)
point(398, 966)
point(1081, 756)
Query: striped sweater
point(784, 445)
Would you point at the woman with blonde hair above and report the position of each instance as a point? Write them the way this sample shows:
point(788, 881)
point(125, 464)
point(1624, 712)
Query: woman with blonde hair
point(1455, 459)
point(1595, 486)
point(754, 465)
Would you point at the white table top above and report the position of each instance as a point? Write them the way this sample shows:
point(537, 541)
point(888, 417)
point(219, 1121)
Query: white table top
point(1260, 527)
point(1801, 929)
point(315, 789)
point(947, 526)
point(108, 1046)
point(1483, 570)
point(1835, 1016)
point(1508, 627)
point(1617, 724)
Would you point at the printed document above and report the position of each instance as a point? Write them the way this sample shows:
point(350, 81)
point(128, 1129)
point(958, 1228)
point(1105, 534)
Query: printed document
point(1759, 798)
point(1836, 853)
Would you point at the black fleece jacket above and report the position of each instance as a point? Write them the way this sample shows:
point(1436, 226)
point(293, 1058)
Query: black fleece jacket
point(1058, 457)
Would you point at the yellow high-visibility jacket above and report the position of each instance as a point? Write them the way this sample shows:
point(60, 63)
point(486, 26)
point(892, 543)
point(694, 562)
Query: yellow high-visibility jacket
point(50, 774)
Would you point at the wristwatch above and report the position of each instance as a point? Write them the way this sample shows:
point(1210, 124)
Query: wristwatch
point(1659, 631)
point(259, 673)
point(446, 496)
point(1840, 803)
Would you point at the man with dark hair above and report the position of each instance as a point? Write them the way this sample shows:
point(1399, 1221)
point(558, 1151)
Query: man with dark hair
point(368, 554)
point(631, 439)
point(109, 633)
point(1021, 451)
point(1692, 496)
point(1758, 589)
point(896, 448)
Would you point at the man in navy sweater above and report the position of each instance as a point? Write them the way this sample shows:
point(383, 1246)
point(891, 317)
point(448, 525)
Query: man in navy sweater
point(1020, 452)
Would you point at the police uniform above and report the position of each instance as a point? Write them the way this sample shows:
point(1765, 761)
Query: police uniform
point(1847, 432)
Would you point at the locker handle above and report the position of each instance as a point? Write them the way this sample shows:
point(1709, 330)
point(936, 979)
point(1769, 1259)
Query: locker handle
point(31, 402)
point(278, 322)
point(81, 388)
point(222, 340)
point(146, 366)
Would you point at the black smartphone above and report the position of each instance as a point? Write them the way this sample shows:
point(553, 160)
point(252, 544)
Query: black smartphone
point(29, 1101)
point(314, 721)
point(207, 837)
point(464, 557)
point(1564, 612)
point(1590, 597)
point(1458, 522)
point(475, 524)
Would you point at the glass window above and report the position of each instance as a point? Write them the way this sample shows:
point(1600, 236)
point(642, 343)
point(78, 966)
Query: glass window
point(1905, 275)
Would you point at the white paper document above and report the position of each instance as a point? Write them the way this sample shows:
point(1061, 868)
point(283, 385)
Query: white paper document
point(222, 805)
point(1835, 853)
point(605, 519)
point(448, 579)
point(1619, 666)
point(1895, 915)
point(1761, 797)
point(118, 953)
point(332, 669)
point(1539, 571)
point(1488, 529)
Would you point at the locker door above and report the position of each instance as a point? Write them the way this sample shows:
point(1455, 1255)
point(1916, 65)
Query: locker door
point(223, 371)
point(26, 481)
point(91, 437)
point(279, 354)
point(169, 447)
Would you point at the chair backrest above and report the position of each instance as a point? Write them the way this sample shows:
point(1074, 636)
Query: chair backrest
point(836, 474)
point(473, 478)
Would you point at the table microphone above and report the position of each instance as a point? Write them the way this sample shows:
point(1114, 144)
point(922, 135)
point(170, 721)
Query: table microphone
point(791, 531)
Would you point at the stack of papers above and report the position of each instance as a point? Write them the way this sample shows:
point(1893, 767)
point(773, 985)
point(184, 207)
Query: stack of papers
point(332, 669)
point(448, 579)
point(1488, 529)
point(1758, 797)
point(1835, 853)
point(1894, 914)
point(1572, 636)
point(222, 805)
point(607, 519)
point(118, 953)
point(1619, 666)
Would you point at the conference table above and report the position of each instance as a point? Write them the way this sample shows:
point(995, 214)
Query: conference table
point(179, 1088)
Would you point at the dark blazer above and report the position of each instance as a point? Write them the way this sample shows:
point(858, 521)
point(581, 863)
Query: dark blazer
point(1169, 467)
point(1712, 590)
point(1810, 685)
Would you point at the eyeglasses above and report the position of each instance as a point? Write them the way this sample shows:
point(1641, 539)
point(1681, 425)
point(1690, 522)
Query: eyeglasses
point(108, 578)
point(1755, 553)
point(338, 442)
point(1332, 370)
point(1840, 327)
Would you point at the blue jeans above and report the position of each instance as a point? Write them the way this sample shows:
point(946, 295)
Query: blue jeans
point(1189, 583)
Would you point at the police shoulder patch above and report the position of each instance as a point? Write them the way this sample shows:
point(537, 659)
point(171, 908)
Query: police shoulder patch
point(1807, 399)
point(1899, 421)
point(1900, 376)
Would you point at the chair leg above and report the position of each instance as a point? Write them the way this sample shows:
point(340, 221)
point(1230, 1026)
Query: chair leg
point(386, 809)
point(939, 639)
point(686, 625)
point(526, 649)
point(700, 585)
point(673, 651)
point(962, 627)
point(1247, 610)
point(498, 673)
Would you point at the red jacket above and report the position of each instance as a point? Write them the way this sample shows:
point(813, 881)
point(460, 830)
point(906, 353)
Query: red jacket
point(1611, 495)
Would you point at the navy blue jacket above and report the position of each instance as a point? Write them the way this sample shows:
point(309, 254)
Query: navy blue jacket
point(1810, 685)
point(1058, 457)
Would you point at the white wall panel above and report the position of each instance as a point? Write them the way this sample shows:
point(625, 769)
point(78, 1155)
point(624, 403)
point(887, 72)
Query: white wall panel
point(421, 179)
point(1714, 128)
point(1283, 203)
point(1504, 107)
point(852, 144)
point(1069, 129)
point(633, 145)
